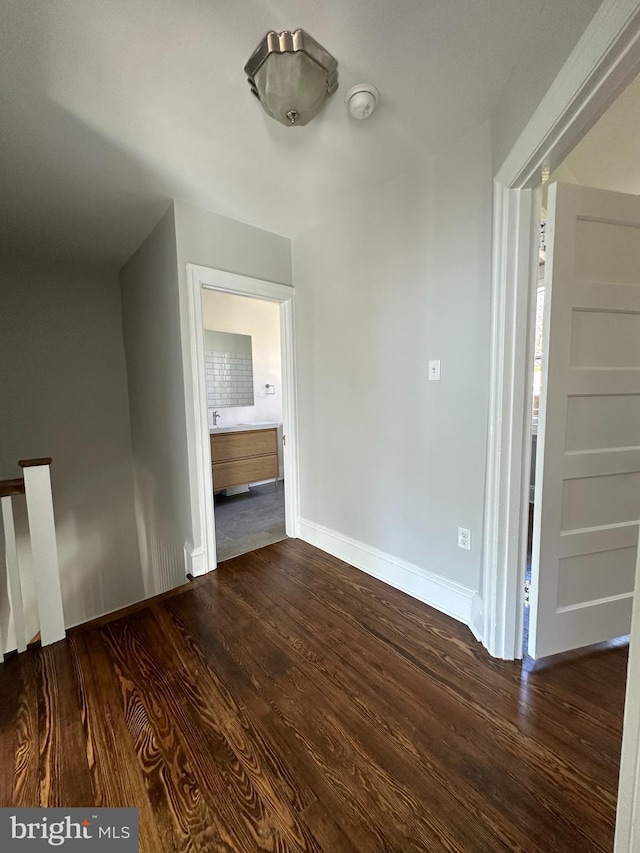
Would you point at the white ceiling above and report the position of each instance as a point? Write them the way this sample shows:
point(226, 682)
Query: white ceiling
point(112, 107)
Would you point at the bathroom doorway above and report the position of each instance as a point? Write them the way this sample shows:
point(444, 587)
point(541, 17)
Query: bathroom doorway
point(243, 467)
point(243, 376)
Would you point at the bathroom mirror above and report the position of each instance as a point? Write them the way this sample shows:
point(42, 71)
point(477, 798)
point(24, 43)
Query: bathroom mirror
point(229, 369)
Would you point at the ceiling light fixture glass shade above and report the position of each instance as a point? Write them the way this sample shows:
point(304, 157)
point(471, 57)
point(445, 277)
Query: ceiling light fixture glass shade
point(292, 76)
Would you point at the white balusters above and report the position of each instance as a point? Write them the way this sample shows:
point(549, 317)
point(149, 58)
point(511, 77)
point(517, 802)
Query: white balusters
point(36, 486)
point(13, 574)
point(44, 549)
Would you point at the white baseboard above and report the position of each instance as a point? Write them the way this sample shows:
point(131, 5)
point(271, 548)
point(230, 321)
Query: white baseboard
point(449, 597)
point(475, 622)
point(195, 561)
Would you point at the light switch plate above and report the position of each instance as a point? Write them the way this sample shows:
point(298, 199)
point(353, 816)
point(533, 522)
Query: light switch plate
point(434, 370)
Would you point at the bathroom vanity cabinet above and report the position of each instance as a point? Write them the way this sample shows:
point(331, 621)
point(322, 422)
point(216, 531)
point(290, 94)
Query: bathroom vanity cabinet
point(243, 456)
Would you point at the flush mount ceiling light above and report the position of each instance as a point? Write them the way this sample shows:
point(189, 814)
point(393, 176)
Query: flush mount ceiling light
point(292, 76)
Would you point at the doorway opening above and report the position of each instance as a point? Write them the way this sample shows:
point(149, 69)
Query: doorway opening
point(584, 489)
point(263, 453)
point(243, 377)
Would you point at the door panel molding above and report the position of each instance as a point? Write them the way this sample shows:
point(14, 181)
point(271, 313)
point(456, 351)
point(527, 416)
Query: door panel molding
point(585, 598)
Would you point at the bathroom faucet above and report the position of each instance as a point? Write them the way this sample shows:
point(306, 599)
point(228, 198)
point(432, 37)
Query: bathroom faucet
point(215, 417)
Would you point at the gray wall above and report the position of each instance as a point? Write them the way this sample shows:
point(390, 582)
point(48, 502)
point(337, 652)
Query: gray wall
point(151, 322)
point(64, 394)
point(558, 30)
point(211, 240)
point(384, 284)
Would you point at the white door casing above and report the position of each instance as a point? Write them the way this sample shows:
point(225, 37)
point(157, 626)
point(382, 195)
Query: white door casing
point(588, 464)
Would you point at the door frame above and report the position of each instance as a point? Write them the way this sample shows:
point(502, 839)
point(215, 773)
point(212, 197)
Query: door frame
point(203, 555)
point(603, 63)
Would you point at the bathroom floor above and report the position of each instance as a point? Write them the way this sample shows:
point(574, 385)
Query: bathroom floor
point(250, 520)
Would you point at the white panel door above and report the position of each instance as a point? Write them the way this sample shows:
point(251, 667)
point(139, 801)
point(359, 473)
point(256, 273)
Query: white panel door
point(587, 504)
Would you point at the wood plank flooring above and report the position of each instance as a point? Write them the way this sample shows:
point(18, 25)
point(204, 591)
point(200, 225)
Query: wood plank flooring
point(289, 702)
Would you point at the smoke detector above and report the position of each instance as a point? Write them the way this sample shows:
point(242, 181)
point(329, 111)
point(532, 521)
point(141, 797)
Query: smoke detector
point(361, 100)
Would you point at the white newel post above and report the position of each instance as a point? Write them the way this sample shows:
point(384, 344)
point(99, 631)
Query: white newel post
point(37, 483)
point(13, 574)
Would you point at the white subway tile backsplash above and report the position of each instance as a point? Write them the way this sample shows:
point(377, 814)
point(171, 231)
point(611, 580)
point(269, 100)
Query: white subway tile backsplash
point(229, 378)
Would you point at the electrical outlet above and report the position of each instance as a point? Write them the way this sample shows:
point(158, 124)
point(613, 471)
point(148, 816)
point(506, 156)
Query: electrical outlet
point(464, 538)
point(434, 370)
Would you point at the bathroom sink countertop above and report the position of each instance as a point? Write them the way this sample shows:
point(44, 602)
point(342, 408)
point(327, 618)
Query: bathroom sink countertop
point(240, 427)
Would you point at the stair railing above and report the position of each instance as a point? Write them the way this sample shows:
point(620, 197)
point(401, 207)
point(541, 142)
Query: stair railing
point(35, 485)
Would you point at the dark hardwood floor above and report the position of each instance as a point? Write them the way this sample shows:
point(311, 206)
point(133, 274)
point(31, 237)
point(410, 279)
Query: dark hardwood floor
point(291, 703)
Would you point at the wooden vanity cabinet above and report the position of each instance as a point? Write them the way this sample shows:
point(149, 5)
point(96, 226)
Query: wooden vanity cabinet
point(246, 456)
